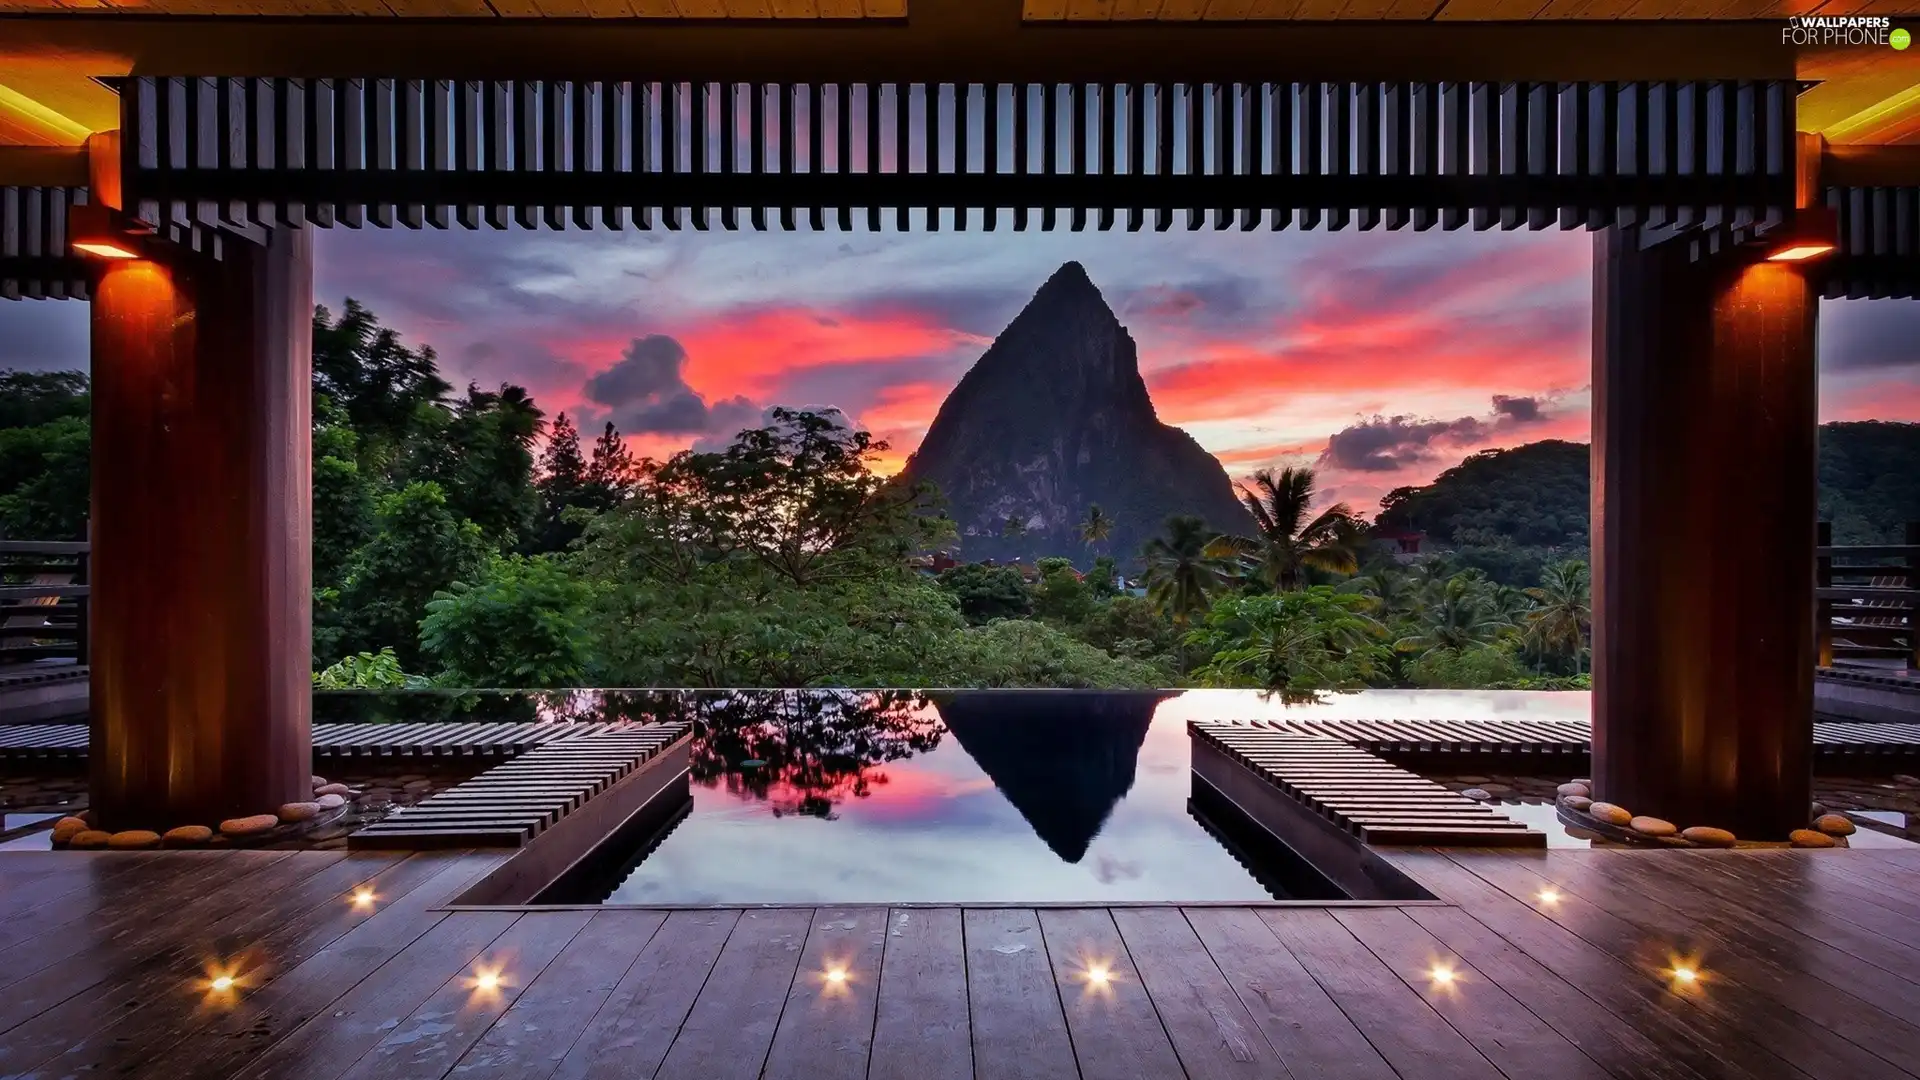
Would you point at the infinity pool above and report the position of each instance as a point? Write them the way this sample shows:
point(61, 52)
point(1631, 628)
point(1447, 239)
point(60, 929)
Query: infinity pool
point(828, 797)
point(964, 798)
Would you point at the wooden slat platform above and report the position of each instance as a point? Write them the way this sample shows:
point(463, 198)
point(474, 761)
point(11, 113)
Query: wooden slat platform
point(1374, 801)
point(334, 741)
point(510, 804)
point(1832, 739)
point(1806, 966)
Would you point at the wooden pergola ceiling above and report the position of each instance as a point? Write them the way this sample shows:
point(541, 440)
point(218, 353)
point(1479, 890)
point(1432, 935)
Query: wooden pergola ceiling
point(1449, 10)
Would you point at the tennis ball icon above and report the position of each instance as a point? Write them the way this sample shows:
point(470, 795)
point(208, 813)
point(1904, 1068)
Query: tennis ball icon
point(1900, 38)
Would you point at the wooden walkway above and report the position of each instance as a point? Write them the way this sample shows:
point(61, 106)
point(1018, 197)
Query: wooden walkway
point(1809, 967)
point(68, 742)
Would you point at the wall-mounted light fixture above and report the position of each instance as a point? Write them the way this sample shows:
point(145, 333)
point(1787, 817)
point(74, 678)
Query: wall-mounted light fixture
point(1813, 231)
point(105, 233)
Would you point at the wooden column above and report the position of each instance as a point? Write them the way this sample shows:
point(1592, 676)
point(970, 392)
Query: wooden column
point(201, 528)
point(1704, 420)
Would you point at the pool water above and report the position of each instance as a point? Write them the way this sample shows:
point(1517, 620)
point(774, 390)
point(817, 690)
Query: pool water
point(968, 797)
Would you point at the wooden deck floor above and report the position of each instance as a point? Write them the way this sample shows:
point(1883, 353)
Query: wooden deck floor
point(1810, 968)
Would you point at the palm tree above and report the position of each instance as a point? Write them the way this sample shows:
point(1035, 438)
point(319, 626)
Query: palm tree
point(1562, 611)
point(1461, 615)
point(1014, 526)
point(1388, 592)
point(1186, 567)
point(1097, 526)
point(1288, 540)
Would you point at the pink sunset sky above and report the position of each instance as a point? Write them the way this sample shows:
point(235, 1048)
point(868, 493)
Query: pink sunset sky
point(1381, 358)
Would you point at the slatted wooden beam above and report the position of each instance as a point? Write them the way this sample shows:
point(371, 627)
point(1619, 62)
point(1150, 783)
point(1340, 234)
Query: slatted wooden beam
point(341, 741)
point(35, 262)
point(1879, 252)
point(511, 804)
point(598, 153)
point(1375, 802)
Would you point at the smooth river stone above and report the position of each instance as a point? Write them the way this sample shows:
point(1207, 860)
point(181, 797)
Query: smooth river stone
point(1708, 836)
point(187, 836)
point(318, 781)
point(1577, 802)
point(299, 811)
point(134, 840)
point(341, 790)
point(1834, 825)
point(92, 838)
point(1652, 826)
point(1808, 838)
point(248, 826)
point(1574, 790)
point(1477, 794)
point(1609, 813)
point(67, 828)
point(330, 801)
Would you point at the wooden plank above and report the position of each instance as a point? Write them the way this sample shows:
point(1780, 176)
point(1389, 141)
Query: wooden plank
point(1413, 1038)
point(1019, 1028)
point(437, 1034)
point(1693, 1038)
point(532, 1037)
point(921, 1028)
point(1110, 1019)
point(359, 1019)
point(1750, 916)
point(1625, 1048)
point(1797, 1038)
point(826, 1028)
point(632, 1031)
point(87, 883)
point(1210, 1029)
point(41, 973)
point(262, 1018)
point(731, 1026)
point(130, 1017)
point(1497, 1025)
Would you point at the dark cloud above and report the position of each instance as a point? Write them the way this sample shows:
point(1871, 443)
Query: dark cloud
point(1518, 410)
point(43, 335)
point(646, 393)
point(1386, 443)
point(1869, 335)
point(1224, 298)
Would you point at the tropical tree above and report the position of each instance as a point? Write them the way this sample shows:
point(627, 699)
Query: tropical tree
point(1014, 526)
point(1462, 614)
point(1562, 611)
point(1186, 567)
point(1289, 537)
point(1388, 593)
point(1097, 525)
point(1307, 639)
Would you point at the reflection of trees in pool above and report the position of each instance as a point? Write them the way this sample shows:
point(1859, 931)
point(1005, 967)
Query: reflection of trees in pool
point(819, 748)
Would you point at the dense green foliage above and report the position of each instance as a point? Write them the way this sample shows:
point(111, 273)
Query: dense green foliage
point(44, 454)
point(468, 539)
point(1511, 513)
point(1869, 480)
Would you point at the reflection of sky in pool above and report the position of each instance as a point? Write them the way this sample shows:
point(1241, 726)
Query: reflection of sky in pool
point(945, 797)
point(1029, 797)
point(1082, 798)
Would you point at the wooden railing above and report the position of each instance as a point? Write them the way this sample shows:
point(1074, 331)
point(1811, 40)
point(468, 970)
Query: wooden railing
point(43, 601)
point(1867, 599)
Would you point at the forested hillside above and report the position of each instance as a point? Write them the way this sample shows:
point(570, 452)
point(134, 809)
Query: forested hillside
point(1510, 511)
